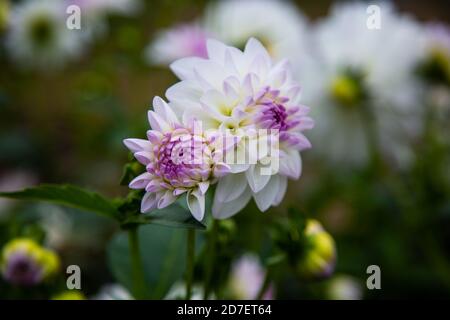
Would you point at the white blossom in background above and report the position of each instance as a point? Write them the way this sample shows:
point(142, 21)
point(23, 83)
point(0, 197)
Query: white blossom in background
point(185, 40)
point(178, 292)
point(38, 36)
point(246, 279)
point(245, 91)
point(113, 292)
point(94, 14)
point(343, 287)
point(279, 25)
point(349, 59)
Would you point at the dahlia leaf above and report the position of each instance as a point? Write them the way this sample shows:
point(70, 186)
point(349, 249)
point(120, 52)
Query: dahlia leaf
point(66, 195)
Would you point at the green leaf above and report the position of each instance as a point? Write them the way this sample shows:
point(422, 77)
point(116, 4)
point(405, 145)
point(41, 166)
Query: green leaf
point(67, 195)
point(163, 252)
point(175, 215)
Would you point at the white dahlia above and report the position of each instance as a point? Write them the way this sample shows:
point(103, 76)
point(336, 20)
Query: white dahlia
point(279, 25)
point(354, 64)
point(244, 92)
point(38, 36)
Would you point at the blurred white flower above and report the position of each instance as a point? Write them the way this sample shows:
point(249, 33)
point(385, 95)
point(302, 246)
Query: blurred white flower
point(243, 92)
point(13, 181)
point(38, 36)
point(94, 14)
point(350, 61)
point(113, 292)
point(178, 292)
point(247, 278)
point(185, 40)
point(279, 25)
point(343, 287)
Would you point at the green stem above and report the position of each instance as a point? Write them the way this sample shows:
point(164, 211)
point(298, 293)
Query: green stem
point(210, 257)
point(139, 289)
point(264, 286)
point(190, 261)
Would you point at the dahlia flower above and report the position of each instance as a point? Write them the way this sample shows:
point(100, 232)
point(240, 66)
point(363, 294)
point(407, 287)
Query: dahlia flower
point(179, 159)
point(354, 65)
point(243, 93)
point(38, 36)
point(187, 40)
point(279, 25)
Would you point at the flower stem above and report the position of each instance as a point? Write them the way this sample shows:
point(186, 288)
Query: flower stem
point(139, 289)
point(210, 257)
point(190, 261)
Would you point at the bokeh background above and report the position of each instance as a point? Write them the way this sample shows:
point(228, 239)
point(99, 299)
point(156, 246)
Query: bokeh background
point(66, 125)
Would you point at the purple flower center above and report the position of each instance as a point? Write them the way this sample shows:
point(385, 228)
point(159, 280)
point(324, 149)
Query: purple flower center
point(23, 270)
point(179, 161)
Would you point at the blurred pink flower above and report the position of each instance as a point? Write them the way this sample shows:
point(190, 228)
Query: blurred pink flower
point(186, 40)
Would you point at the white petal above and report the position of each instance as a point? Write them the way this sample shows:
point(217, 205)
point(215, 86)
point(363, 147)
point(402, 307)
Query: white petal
point(203, 187)
point(184, 68)
point(291, 164)
point(282, 187)
point(167, 199)
point(136, 145)
point(216, 50)
point(256, 180)
point(265, 198)
point(141, 181)
point(231, 187)
point(162, 108)
point(157, 122)
point(196, 204)
point(223, 210)
point(149, 201)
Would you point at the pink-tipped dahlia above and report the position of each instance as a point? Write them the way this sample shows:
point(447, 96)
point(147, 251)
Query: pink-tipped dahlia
point(178, 159)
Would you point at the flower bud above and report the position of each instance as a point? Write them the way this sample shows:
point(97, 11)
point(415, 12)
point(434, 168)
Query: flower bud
point(69, 295)
point(319, 255)
point(26, 263)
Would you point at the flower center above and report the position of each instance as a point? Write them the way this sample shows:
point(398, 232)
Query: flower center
point(180, 160)
point(41, 31)
point(347, 89)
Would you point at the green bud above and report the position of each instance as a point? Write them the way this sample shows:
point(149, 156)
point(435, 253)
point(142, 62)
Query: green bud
point(319, 252)
point(69, 295)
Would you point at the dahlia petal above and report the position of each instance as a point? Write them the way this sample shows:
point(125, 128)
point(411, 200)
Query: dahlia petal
point(221, 170)
point(256, 180)
point(162, 108)
point(203, 186)
point(136, 145)
point(265, 197)
point(223, 210)
point(254, 48)
point(216, 50)
point(143, 157)
point(196, 204)
point(154, 136)
point(231, 187)
point(149, 201)
point(141, 181)
point(184, 68)
point(282, 187)
point(290, 164)
point(157, 122)
point(167, 199)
